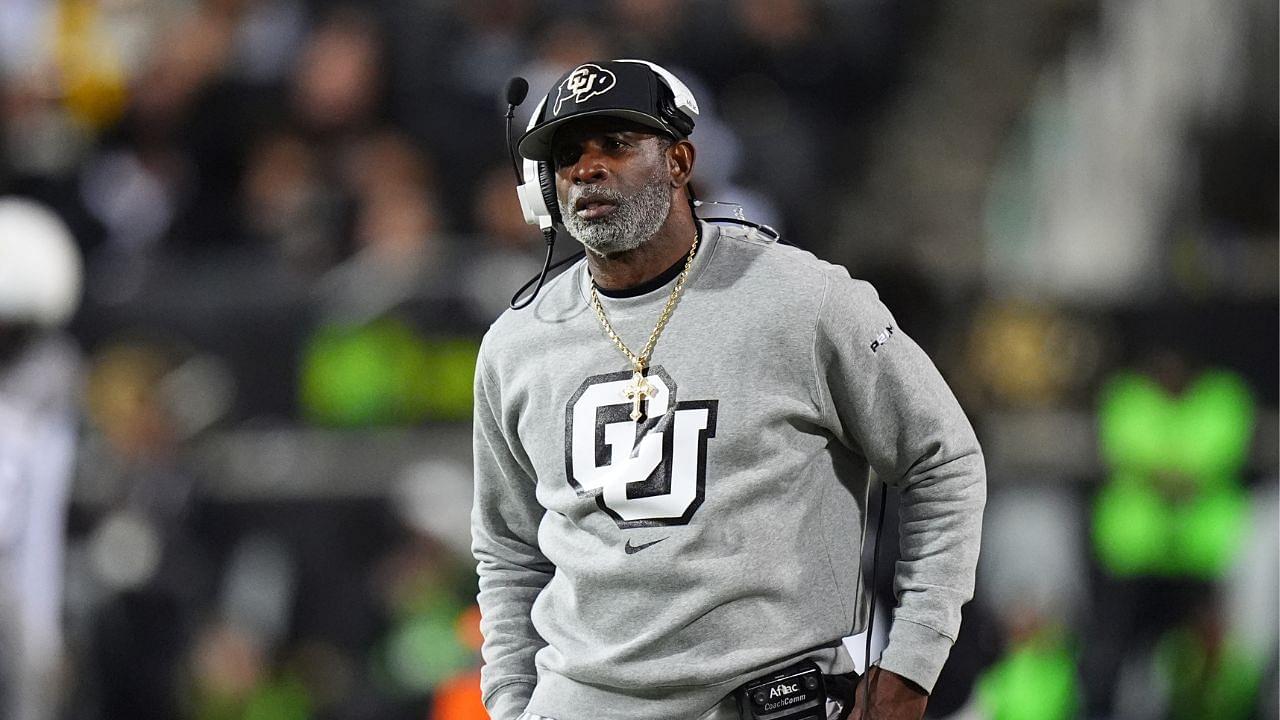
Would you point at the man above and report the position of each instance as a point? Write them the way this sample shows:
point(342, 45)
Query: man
point(672, 447)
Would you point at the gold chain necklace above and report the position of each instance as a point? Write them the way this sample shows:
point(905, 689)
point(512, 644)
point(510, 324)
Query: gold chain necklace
point(639, 388)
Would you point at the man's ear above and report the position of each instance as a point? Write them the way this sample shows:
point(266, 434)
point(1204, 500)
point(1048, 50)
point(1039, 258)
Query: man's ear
point(680, 158)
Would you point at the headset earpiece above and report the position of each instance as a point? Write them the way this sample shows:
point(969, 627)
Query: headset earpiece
point(679, 108)
point(673, 116)
point(547, 181)
point(540, 206)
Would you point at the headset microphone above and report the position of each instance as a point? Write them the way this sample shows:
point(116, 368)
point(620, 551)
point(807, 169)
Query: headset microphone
point(517, 90)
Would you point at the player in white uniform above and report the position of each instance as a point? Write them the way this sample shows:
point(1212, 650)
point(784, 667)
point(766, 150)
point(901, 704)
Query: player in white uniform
point(40, 279)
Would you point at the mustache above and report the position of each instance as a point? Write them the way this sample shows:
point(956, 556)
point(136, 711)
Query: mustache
point(593, 192)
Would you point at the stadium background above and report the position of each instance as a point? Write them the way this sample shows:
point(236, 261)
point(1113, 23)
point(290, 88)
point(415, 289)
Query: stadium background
point(298, 218)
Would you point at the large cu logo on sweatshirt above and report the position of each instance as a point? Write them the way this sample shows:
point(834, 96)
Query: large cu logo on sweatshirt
point(646, 473)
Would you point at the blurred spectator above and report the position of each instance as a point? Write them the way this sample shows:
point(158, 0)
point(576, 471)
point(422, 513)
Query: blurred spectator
point(653, 29)
point(1032, 578)
point(1204, 671)
point(1170, 518)
point(1035, 680)
point(459, 698)
point(287, 207)
point(791, 93)
point(1176, 442)
point(495, 32)
point(338, 85)
point(423, 587)
point(232, 673)
point(385, 160)
point(144, 583)
point(189, 54)
point(40, 281)
point(266, 40)
point(163, 170)
point(367, 364)
point(507, 251)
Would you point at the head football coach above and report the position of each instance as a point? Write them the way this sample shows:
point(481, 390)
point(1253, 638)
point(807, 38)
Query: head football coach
point(674, 443)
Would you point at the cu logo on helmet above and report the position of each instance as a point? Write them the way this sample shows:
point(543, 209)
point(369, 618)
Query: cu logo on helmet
point(584, 83)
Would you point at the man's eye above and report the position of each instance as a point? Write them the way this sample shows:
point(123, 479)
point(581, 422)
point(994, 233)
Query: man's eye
point(614, 143)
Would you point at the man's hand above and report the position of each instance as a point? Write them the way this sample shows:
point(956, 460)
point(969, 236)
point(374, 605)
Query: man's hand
point(893, 697)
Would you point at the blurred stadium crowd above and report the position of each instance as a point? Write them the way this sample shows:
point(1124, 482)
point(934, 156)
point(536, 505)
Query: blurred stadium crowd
point(248, 249)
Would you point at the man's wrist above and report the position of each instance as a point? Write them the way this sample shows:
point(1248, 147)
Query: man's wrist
point(905, 682)
point(916, 652)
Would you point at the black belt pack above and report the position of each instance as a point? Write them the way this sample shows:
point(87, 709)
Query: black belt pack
point(797, 692)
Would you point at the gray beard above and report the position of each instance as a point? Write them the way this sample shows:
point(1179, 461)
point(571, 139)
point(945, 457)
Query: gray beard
point(635, 220)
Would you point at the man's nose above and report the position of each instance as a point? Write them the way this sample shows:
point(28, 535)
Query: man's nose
point(590, 168)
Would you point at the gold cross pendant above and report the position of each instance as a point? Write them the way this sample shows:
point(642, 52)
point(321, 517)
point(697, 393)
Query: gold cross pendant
point(636, 391)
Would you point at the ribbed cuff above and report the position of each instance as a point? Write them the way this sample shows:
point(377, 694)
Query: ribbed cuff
point(509, 701)
point(916, 652)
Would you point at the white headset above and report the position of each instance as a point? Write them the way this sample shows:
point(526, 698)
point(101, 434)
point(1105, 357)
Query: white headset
point(538, 191)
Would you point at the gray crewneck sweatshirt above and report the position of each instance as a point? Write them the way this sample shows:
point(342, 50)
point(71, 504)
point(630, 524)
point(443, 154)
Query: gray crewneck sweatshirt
point(642, 570)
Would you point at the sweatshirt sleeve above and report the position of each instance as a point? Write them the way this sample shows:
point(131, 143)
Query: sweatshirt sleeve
point(512, 570)
point(884, 399)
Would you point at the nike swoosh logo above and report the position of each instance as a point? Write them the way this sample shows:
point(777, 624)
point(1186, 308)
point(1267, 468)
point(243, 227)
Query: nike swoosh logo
point(633, 549)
